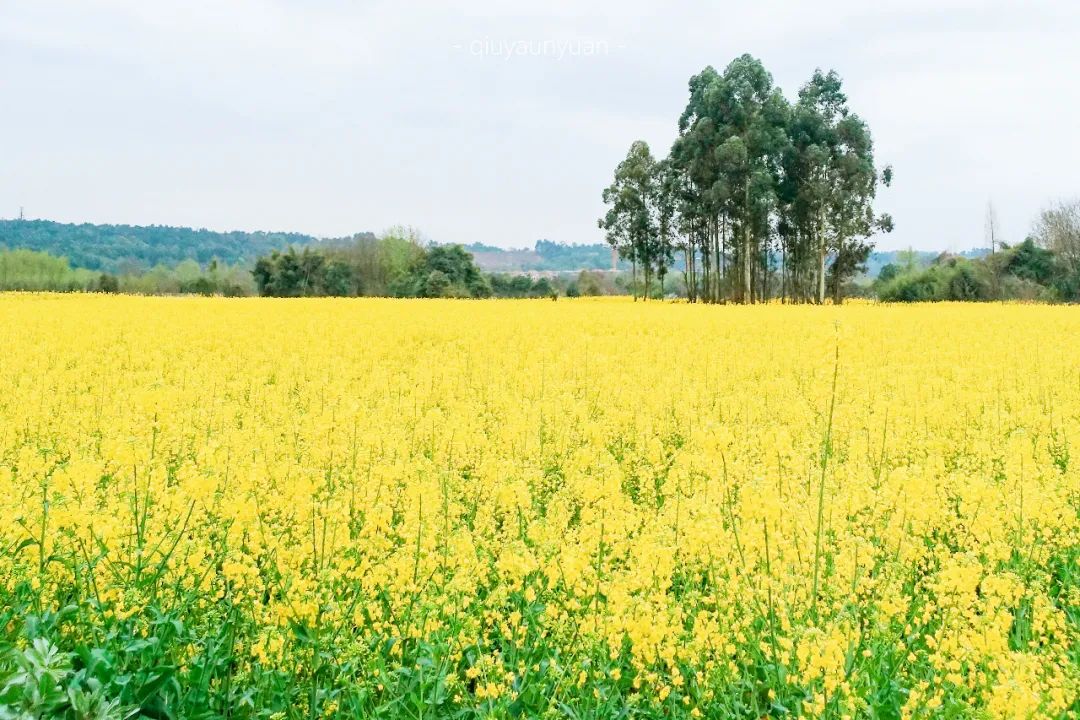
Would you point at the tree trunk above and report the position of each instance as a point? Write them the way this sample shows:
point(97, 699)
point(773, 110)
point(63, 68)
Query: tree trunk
point(688, 272)
point(693, 268)
point(721, 246)
point(837, 279)
point(747, 270)
point(821, 251)
point(706, 271)
point(821, 276)
point(783, 274)
point(821, 263)
point(718, 259)
point(763, 285)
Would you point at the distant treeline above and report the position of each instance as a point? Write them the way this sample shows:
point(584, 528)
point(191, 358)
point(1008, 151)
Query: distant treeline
point(129, 249)
point(1045, 267)
point(126, 249)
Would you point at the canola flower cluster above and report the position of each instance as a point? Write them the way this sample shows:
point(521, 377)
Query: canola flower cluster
point(589, 508)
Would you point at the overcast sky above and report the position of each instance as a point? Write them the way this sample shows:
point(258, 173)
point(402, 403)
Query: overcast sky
point(501, 122)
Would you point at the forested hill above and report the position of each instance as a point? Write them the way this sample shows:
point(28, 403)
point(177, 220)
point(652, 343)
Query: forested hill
point(116, 248)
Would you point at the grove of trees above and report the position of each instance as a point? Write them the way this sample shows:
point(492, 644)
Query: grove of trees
point(397, 264)
point(763, 197)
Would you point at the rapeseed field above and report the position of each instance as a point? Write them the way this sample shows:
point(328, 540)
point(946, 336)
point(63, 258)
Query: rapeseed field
point(254, 508)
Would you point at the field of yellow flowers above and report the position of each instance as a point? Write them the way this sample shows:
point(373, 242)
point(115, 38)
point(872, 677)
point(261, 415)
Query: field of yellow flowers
point(260, 508)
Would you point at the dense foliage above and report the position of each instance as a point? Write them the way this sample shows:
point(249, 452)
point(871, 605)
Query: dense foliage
point(255, 508)
point(765, 198)
point(127, 248)
point(903, 258)
point(29, 270)
point(1024, 272)
point(394, 265)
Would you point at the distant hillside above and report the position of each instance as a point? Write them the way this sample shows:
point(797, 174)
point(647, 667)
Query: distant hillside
point(118, 247)
point(545, 256)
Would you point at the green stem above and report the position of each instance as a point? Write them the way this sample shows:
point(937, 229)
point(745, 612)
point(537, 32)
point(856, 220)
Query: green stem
point(826, 451)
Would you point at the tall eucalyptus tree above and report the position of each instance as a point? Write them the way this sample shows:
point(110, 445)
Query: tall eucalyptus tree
point(836, 180)
point(631, 220)
point(703, 199)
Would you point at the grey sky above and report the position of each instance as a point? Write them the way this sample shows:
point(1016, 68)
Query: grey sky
point(333, 116)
